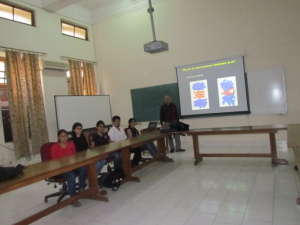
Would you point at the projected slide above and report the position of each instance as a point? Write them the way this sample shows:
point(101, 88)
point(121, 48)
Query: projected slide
point(227, 92)
point(213, 87)
point(199, 95)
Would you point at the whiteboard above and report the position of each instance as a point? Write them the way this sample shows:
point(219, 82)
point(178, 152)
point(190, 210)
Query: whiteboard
point(267, 91)
point(84, 109)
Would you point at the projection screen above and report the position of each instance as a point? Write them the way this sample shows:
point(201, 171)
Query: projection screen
point(215, 87)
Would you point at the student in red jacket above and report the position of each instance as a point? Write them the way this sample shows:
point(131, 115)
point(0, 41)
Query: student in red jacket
point(64, 148)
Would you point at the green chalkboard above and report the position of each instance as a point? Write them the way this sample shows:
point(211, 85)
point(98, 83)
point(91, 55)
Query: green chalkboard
point(146, 102)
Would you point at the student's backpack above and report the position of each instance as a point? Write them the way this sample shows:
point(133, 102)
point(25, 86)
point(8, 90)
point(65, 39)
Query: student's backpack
point(112, 179)
point(7, 173)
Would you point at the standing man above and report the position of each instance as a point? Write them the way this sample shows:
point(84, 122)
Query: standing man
point(118, 134)
point(168, 114)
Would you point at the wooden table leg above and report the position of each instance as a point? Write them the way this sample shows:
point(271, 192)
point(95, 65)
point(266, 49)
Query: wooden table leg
point(198, 157)
point(167, 143)
point(162, 145)
point(162, 150)
point(275, 160)
point(93, 184)
point(127, 166)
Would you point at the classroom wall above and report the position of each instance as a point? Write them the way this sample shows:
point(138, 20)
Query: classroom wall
point(45, 37)
point(266, 32)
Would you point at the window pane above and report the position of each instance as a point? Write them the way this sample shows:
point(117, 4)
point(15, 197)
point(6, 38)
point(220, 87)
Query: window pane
point(6, 11)
point(2, 81)
point(68, 74)
point(2, 66)
point(80, 33)
point(2, 75)
point(67, 29)
point(22, 16)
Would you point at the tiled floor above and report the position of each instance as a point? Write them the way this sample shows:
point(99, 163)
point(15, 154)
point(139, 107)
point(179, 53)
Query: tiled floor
point(218, 191)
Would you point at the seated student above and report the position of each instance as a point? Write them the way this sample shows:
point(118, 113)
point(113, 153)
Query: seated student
point(101, 138)
point(118, 134)
point(81, 144)
point(64, 148)
point(133, 132)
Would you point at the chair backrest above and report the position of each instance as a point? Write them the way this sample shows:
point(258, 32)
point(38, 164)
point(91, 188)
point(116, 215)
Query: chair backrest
point(46, 151)
point(126, 129)
point(293, 135)
point(90, 138)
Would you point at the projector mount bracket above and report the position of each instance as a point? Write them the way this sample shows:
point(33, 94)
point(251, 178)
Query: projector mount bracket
point(151, 10)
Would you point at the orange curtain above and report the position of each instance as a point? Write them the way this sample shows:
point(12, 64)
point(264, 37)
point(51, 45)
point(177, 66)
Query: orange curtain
point(75, 77)
point(89, 79)
point(16, 91)
point(26, 103)
point(36, 108)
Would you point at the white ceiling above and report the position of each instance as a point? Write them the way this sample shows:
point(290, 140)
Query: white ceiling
point(94, 4)
point(91, 11)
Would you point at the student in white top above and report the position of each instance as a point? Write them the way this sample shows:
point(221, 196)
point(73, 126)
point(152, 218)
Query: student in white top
point(118, 134)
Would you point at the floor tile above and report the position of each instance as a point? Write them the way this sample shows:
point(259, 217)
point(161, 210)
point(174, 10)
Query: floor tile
point(203, 219)
point(260, 204)
point(208, 209)
point(230, 217)
point(238, 198)
point(119, 222)
point(255, 222)
point(234, 207)
point(190, 202)
point(287, 212)
point(181, 211)
point(211, 199)
point(146, 221)
point(130, 215)
point(174, 220)
point(156, 213)
point(142, 206)
point(259, 214)
point(79, 219)
point(285, 221)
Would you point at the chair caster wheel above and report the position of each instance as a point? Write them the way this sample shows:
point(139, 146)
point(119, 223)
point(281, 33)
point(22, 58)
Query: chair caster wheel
point(46, 200)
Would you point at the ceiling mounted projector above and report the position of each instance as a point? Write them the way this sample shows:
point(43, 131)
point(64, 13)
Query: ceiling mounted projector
point(154, 46)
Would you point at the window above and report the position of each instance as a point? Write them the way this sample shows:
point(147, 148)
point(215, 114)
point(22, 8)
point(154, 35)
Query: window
point(69, 81)
point(2, 71)
point(73, 30)
point(16, 13)
point(4, 103)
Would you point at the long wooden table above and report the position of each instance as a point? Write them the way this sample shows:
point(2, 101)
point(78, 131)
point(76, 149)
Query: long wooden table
point(140, 141)
point(43, 170)
point(271, 130)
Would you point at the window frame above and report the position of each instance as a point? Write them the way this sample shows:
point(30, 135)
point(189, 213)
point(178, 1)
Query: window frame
point(74, 26)
point(7, 130)
point(32, 12)
point(5, 77)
